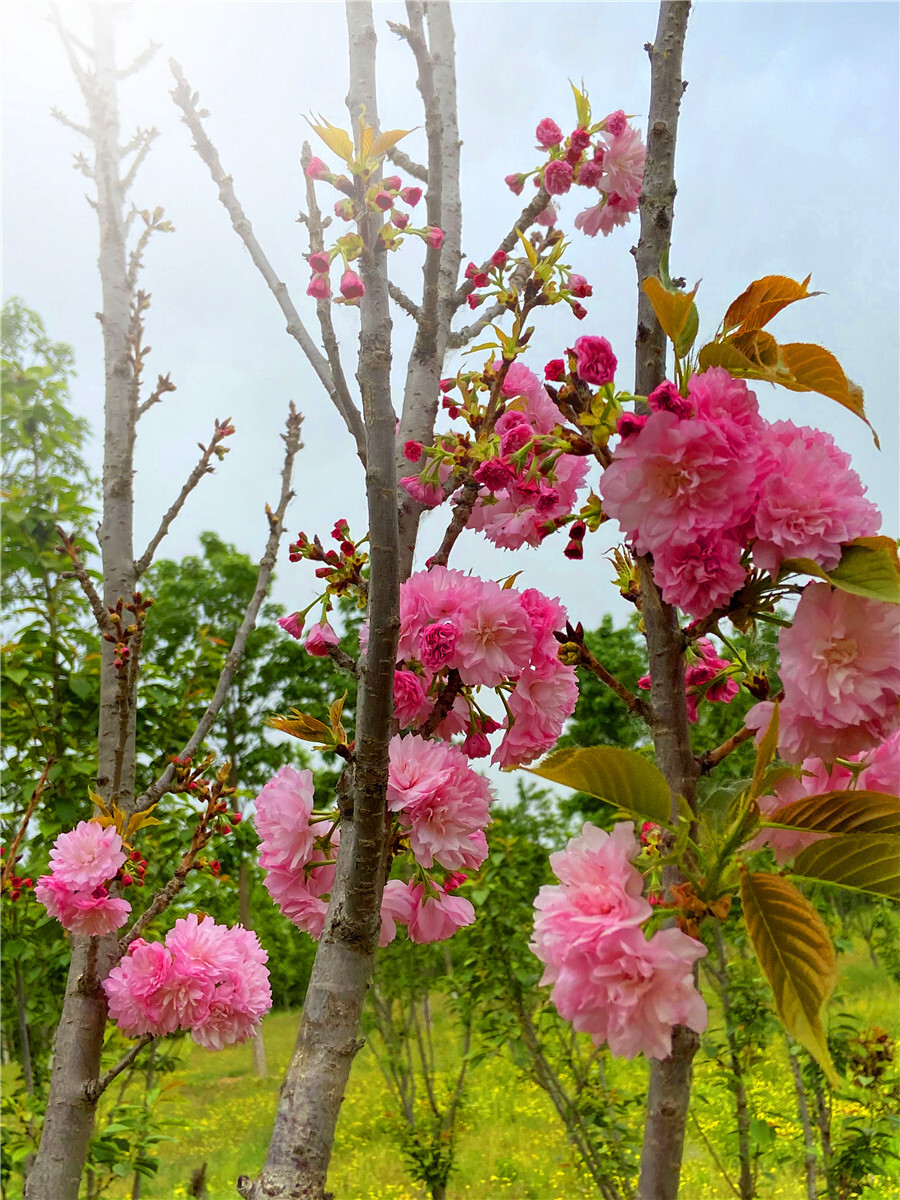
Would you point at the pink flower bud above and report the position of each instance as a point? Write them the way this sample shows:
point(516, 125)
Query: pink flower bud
point(320, 262)
point(574, 550)
point(498, 258)
point(494, 474)
point(399, 219)
point(557, 177)
point(320, 638)
point(127, 881)
point(413, 451)
point(548, 133)
point(476, 745)
point(667, 398)
point(411, 196)
point(352, 287)
point(589, 174)
point(579, 286)
point(344, 210)
point(630, 423)
point(434, 237)
point(615, 123)
point(473, 301)
point(317, 169)
point(580, 139)
point(447, 385)
point(319, 287)
point(515, 183)
point(292, 625)
point(384, 201)
point(555, 369)
point(579, 311)
point(392, 183)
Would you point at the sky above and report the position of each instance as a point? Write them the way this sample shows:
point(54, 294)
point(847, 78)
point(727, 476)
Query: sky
point(786, 164)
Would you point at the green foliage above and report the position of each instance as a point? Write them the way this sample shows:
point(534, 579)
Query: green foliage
point(622, 778)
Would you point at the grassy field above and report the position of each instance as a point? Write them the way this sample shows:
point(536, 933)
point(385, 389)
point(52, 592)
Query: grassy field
point(511, 1145)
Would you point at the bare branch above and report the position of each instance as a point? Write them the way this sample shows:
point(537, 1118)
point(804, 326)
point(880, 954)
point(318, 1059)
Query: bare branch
point(70, 41)
point(64, 120)
point(468, 333)
point(442, 705)
point(150, 136)
point(633, 703)
point(10, 859)
point(141, 61)
point(342, 659)
point(712, 758)
point(182, 96)
point(163, 384)
point(95, 1089)
point(323, 307)
point(525, 221)
point(292, 444)
point(405, 163)
point(462, 510)
point(79, 571)
point(400, 297)
point(204, 467)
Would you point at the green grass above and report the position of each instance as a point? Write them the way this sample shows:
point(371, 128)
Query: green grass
point(510, 1146)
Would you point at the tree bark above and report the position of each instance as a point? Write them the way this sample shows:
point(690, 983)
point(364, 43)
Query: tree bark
point(670, 1079)
point(69, 1119)
point(300, 1148)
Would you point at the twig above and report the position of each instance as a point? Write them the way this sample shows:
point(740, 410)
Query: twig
point(292, 444)
point(79, 571)
point(468, 332)
point(462, 510)
point(202, 468)
point(712, 758)
point(342, 659)
point(69, 41)
point(442, 705)
point(10, 860)
point(405, 163)
point(633, 703)
point(96, 1087)
point(715, 1157)
point(142, 59)
point(143, 150)
point(400, 297)
point(525, 221)
point(181, 94)
point(64, 120)
point(163, 384)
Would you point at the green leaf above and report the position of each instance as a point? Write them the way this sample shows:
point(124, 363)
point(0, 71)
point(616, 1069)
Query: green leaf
point(866, 862)
point(582, 107)
point(529, 249)
point(672, 308)
point(689, 332)
point(765, 754)
point(797, 956)
point(842, 812)
point(621, 777)
point(869, 567)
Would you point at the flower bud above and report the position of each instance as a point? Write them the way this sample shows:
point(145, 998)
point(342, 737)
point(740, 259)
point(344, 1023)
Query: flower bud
point(498, 258)
point(555, 370)
point(411, 196)
point(317, 169)
point(352, 287)
point(515, 183)
point(548, 133)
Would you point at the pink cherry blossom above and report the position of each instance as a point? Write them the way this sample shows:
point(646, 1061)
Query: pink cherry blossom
point(299, 895)
point(133, 985)
point(841, 676)
point(557, 177)
point(616, 123)
point(438, 644)
point(809, 500)
point(441, 800)
point(411, 702)
point(440, 594)
point(595, 361)
point(699, 575)
point(87, 855)
point(495, 637)
point(319, 638)
point(814, 780)
point(292, 625)
point(623, 163)
point(86, 913)
point(676, 480)
point(540, 703)
point(352, 287)
point(882, 773)
point(546, 616)
point(436, 918)
point(319, 287)
point(730, 405)
point(397, 904)
point(283, 809)
point(548, 133)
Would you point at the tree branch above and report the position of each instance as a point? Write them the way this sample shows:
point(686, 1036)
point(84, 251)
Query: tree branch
point(79, 571)
point(163, 384)
point(223, 429)
point(442, 705)
point(525, 220)
point(150, 135)
point(64, 120)
point(400, 297)
point(96, 1087)
point(462, 510)
point(469, 332)
point(634, 704)
point(181, 94)
point(405, 163)
point(9, 861)
point(142, 59)
point(291, 439)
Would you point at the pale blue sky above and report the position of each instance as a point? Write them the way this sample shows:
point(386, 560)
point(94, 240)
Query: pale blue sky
point(787, 163)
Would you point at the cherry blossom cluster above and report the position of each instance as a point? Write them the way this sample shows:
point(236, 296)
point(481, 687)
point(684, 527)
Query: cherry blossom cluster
point(83, 862)
point(204, 978)
point(841, 675)
point(343, 576)
point(441, 809)
point(608, 978)
point(529, 483)
point(367, 195)
point(877, 771)
point(606, 157)
point(703, 479)
point(706, 677)
point(465, 633)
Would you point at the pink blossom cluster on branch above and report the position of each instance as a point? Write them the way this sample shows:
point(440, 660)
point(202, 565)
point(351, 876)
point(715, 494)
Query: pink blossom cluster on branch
point(841, 676)
point(703, 479)
point(204, 978)
point(706, 677)
point(82, 862)
point(608, 978)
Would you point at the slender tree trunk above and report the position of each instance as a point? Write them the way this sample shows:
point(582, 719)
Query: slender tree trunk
point(803, 1113)
point(24, 1040)
point(740, 1091)
point(69, 1120)
point(823, 1120)
point(311, 1096)
point(670, 1079)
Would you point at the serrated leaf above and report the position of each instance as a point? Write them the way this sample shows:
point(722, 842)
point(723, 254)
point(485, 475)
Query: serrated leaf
point(764, 754)
point(868, 567)
point(334, 138)
point(842, 812)
point(301, 725)
point(763, 299)
point(529, 249)
point(387, 140)
point(334, 716)
point(621, 777)
point(797, 956)
point(672, 308)
point(866, 862)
